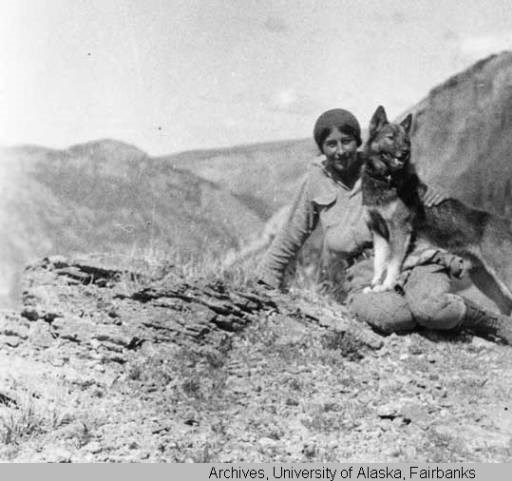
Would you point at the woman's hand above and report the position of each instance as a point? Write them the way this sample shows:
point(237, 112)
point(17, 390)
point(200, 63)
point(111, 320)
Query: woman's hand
point(434, 196)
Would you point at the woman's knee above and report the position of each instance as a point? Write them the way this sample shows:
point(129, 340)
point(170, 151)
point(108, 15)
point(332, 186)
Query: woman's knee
point(443, 311)
point(385, 311)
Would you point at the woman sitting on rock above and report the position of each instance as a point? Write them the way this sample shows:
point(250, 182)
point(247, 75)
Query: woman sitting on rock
point(331, 195)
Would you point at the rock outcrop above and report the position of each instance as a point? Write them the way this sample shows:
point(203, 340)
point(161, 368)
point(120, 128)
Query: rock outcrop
point(101, 312)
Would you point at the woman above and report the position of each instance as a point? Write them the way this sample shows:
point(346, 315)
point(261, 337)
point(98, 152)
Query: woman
point(331, 195)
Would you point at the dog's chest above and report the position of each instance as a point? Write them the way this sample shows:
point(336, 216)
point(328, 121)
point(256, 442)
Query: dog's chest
point(377, 192)
point(387, 218)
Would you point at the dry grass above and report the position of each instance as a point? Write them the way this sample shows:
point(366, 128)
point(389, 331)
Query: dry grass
point(30, 417)
point(153, 263)
point(44, 409)
point(21, 423)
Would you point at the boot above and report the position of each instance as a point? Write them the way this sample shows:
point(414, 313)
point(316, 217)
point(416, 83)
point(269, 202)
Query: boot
point(486, 323)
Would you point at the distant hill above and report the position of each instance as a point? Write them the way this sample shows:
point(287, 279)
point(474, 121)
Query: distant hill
point(261, 175)
point(107, 196)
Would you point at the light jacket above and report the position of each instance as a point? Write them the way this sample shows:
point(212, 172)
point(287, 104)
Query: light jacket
point(321, 200)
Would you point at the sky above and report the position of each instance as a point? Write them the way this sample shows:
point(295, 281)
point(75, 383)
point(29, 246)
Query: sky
point(174, 75)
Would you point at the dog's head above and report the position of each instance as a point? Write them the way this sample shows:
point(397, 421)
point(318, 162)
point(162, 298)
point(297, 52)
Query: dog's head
point(388, 149)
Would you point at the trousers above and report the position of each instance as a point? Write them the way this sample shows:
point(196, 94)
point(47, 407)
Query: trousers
point(424, 299)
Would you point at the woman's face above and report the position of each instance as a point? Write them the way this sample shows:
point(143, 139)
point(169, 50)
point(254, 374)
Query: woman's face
point(339, 148)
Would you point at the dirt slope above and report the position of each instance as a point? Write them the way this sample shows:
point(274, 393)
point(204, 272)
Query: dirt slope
point(461, 135)
point(103, 364)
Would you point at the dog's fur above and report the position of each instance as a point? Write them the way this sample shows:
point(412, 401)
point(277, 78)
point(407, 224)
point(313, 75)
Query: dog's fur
point(397, 217)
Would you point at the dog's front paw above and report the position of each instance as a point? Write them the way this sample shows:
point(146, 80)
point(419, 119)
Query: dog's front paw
point(374, 288)
point(381, 288)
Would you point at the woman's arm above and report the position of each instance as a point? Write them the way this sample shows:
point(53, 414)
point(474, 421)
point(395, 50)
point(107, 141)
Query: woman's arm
point(290, 238)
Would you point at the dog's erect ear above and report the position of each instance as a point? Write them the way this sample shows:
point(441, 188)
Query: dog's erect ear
point(406, 123)
point(378, 121)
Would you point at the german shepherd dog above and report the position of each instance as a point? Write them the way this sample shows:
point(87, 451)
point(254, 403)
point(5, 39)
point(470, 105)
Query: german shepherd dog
point(392, 196)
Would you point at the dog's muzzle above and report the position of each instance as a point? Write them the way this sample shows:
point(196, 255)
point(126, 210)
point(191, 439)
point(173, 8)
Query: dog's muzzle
point(395, 161)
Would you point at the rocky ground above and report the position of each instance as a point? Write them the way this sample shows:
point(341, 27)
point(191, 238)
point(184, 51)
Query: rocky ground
point(105, 364)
